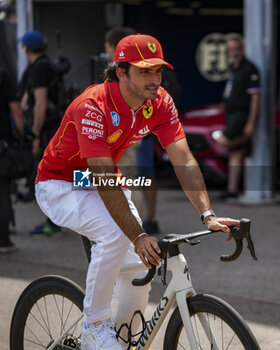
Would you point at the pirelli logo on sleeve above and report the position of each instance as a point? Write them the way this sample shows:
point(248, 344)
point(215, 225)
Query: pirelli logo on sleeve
point(92, 123)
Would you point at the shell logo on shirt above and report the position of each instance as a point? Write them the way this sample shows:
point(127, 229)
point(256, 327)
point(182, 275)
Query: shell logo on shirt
point(115, 136)
point(148, 111)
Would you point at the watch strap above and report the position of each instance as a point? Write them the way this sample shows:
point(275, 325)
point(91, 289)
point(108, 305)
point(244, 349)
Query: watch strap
point(207, 213)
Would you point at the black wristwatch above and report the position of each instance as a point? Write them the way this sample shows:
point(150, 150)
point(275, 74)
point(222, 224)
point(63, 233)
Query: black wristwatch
point(207, 213)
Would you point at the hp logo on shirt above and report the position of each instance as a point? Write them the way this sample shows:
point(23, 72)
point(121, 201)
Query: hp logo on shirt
point(81, 178)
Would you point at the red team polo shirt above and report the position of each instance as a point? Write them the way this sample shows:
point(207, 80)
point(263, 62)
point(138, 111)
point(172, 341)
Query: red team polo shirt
point(99, 123)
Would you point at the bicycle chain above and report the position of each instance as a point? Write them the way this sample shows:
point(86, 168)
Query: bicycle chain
point(72, 345)
point(65, 347)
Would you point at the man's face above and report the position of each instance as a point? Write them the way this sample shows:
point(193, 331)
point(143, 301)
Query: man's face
point(26, 51)
point(143, 83)
point(110, 50)
point(235, 51)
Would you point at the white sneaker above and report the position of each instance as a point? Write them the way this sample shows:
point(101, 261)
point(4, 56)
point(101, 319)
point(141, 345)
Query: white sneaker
point(98, 336)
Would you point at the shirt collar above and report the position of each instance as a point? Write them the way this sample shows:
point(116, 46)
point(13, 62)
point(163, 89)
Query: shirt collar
point(117, 100)
point(41, 57)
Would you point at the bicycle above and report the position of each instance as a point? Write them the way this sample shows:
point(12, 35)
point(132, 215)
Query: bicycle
point(48, 313)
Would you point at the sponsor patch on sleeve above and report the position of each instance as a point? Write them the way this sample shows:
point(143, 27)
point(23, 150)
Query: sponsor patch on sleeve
point(115, 136)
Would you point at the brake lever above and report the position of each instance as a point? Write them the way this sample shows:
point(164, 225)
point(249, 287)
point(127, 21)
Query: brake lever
point(251, 248)
point(250, 245)
point(238, 234)
point(245, 225)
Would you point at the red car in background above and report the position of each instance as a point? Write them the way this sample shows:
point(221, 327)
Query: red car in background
point(201, 125)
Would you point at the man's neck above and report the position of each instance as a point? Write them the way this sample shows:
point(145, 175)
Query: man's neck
point(131, 101)
point(34, 56)
point(237, 64)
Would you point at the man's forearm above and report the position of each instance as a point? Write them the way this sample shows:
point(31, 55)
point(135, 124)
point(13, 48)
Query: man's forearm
point(254, 109)
point(116, 203)
point(39, 118)
point(193, 185)
point(189, 174)
point(40, 109)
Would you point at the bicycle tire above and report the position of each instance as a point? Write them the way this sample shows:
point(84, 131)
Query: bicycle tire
point(231, 321)
point(54, 295)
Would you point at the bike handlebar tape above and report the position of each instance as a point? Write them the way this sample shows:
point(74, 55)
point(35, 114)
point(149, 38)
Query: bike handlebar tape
point(137, 282)
point(235, 254)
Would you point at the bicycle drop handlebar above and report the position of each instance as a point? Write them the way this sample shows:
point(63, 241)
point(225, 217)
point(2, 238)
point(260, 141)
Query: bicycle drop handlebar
point(166, 243)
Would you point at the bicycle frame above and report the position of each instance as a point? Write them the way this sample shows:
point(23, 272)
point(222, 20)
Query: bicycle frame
point(179, 289)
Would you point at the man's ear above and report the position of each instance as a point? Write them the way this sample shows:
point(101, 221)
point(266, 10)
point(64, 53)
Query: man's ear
point(120, 72)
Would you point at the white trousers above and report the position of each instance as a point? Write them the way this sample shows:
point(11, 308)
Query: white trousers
point(109, 295)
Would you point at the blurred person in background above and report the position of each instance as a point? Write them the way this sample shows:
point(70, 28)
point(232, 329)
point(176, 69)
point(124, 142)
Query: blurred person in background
point(40, 112)
point(9, 104)
point(241, 103)
point(112, 38)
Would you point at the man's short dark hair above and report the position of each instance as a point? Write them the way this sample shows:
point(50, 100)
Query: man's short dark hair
point(114, 35)
point(39, 49)
point(110, 72)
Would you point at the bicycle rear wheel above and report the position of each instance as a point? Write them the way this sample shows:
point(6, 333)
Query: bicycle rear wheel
point(45, 309)
point(224, 326)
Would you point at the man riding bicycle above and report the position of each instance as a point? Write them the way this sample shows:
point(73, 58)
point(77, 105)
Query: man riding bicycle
point(95, 131)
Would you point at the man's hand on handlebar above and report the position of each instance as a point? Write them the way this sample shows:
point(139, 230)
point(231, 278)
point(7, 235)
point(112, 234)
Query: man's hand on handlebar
point(215, 224)
point(147, 248)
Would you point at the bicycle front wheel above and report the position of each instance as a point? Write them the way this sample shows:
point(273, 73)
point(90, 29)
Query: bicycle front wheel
point(46, 308)
point(216, 326)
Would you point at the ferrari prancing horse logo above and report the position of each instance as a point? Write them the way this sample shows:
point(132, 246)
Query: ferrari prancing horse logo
point(148, 111)
point(152, 47)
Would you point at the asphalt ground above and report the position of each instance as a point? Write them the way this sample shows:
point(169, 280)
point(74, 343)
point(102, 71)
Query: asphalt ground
point(252, 287)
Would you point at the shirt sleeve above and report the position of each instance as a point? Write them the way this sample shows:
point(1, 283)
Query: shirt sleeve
point(253, 81)
point(92, 130)
point(169, 128)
